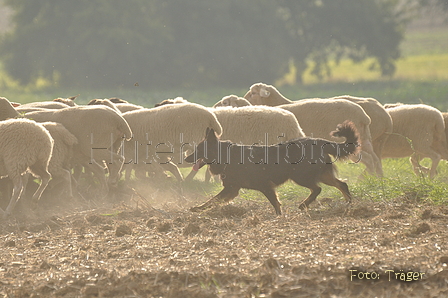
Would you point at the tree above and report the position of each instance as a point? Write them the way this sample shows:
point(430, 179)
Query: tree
point(321, 30)
point(111, 43)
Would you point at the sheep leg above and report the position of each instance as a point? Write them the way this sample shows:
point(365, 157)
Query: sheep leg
point(370, 159)
point(115, 168)
point(435, 158)
point(45, 177)
point(68, 178)
point(18, 188)
point(226, 195)
point(171, 167)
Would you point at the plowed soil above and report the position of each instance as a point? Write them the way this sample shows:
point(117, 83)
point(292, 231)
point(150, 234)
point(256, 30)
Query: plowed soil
point(131, 247)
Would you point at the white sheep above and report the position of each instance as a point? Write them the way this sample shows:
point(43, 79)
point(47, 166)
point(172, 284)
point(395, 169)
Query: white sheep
point(123, 105)
point(7, 110)
point(256, 125)
point(263, 94)
point(106, 102)
point(171, 101)
point(162, 135)
point(60, 162)
point(100, 132)
point(445, 118)
point(418, 132)
point(318, 117)
point(232, 101)
point(262, 125)
point(26, 145)
point(58, 103)
point(380, 127)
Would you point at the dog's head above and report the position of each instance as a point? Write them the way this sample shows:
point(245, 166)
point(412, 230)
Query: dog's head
point(206, 152)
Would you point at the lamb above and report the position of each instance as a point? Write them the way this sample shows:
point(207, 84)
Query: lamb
point(99, 130)
point(26, 145)
point(60, 162)
point(232, 101)
point(418, 132)
point(162, 135)
point(317, 117)
point(7, 111)
point(380, 127)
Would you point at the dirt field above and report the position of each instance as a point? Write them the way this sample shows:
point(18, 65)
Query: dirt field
point(133, 249)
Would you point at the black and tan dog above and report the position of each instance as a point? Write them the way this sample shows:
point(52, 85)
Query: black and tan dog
point(305, 161)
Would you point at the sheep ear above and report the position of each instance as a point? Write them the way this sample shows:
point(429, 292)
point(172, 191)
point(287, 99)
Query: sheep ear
point(73, 97)
point(264, 92)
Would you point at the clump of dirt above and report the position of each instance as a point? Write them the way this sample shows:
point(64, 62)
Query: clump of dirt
point(122, 230)
point(227, 211)
point(363, 211)
point(418, 229)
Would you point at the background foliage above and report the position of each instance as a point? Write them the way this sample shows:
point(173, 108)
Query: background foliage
point(112, 43)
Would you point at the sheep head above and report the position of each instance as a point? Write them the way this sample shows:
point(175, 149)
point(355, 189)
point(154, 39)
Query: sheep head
point(268, 95)
point(232, 101)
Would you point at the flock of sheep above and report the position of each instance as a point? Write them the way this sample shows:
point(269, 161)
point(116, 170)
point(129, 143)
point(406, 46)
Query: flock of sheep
point(58, 139)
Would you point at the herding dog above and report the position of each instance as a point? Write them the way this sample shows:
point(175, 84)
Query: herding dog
point(306, 161)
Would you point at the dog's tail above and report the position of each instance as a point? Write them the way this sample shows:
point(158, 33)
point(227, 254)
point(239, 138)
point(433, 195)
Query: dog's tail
point(350, 146)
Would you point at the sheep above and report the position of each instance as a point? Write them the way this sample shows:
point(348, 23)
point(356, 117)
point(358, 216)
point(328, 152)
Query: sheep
point(127, 107)
point(163, 134)
point(418, 132)
point(445, 119)
point(232, 101)
point(119, 106)
point(251, 125)
point(261, 125)
point(380, 127)
point(263, 94)
point(105, 102)
point(117, 100)
point(60, 162)
point(123, 105)
point(70, 101)
point(171, 101)
point(7, 110)
point(26, 145)
point(257, 125)
point(317, 117)
point(45, 104)
point(99, 131)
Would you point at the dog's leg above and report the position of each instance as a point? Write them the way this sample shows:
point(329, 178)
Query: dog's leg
point(329, 179)
point(315, 191)
point(226, 195)
point(272, 196)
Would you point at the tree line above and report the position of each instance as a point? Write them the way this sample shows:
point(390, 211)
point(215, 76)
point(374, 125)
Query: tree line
point(176, 43)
